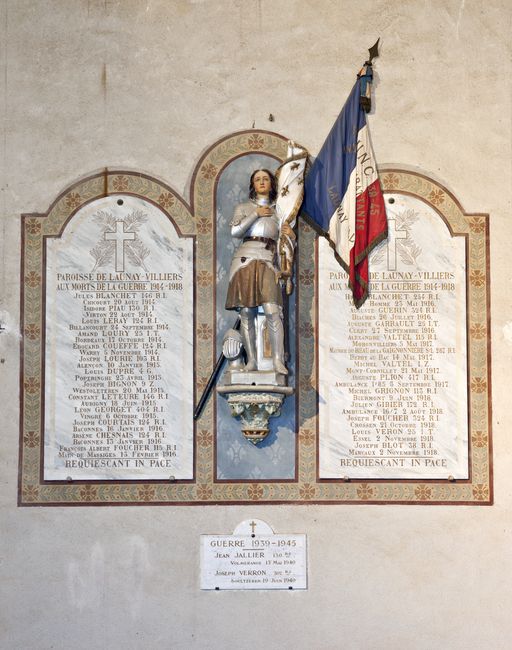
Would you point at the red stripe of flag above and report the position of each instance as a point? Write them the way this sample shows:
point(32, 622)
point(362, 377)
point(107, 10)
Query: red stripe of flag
point(371, 228)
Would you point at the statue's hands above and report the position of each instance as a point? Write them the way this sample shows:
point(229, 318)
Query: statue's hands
point(287, 231)
point(264, 211)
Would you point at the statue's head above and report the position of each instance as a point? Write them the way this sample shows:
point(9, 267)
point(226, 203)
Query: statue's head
point(263, 182)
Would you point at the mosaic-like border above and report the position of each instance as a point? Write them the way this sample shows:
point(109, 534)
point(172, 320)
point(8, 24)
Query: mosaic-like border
point(196, 219)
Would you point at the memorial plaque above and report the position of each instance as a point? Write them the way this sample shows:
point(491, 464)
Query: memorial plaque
point(257, 560)
point(119, 345)
point(393, 374)
point(107, 390)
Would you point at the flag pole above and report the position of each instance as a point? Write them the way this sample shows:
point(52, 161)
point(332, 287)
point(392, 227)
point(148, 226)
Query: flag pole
point(343, 196)
point(373, 51)
point(366, 84)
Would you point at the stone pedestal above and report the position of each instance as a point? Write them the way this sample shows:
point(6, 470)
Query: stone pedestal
point(255, 404)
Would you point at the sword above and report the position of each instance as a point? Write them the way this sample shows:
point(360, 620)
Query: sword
point(213, 378)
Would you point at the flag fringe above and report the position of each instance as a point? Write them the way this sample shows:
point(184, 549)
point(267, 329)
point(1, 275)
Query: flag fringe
point(371, 246)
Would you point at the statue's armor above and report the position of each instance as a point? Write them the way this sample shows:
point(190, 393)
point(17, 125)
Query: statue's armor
point(245, 224)
point(253, 281)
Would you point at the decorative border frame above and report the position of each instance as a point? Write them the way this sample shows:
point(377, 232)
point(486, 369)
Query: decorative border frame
point(196, 219)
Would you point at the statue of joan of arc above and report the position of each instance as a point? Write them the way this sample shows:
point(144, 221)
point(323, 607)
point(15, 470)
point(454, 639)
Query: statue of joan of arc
point(262, 264)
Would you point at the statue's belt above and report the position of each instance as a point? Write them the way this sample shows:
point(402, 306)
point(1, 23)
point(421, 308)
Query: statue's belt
point(270, 243)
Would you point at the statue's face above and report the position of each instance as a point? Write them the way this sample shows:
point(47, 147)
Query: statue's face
point(261, 182)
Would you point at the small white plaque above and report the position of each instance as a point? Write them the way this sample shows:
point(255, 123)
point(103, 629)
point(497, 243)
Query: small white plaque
point(253, 561)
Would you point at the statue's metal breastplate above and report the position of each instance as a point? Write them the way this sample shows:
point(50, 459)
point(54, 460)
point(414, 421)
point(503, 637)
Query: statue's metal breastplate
point(264, 227)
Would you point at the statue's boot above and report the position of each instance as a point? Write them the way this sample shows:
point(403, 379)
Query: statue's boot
point(248, 332)
point(276, 335)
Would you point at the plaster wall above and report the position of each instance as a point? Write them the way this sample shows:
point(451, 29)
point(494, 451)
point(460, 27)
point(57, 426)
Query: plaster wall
point(149, 86)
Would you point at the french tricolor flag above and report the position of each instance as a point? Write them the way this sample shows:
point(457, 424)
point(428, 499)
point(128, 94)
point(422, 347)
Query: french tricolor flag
point(342, 193)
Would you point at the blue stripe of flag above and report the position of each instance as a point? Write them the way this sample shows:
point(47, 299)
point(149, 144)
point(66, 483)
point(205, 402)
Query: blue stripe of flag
point(329, 176)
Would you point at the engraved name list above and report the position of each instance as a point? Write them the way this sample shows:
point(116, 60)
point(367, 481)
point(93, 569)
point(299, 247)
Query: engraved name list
point(392, 375)
point(119, 347)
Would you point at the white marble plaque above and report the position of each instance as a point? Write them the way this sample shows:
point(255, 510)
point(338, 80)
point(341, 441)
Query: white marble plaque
point(392, 375)
point(253, 560)
point(118, 400)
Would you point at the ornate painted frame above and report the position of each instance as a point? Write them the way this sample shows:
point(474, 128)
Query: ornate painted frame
point(196, 219)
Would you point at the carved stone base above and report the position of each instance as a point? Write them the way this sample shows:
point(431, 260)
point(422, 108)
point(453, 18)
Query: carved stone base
point(255, 409)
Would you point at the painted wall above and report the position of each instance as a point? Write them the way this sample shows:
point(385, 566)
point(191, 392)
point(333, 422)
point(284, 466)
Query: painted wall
point(149, 86)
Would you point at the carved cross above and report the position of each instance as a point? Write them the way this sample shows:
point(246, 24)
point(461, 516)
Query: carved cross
point(253, 525)
point(119, 236)
point(393, 235)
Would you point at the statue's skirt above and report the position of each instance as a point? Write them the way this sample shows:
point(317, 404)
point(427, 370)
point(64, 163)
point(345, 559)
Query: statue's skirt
point(252, 285)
